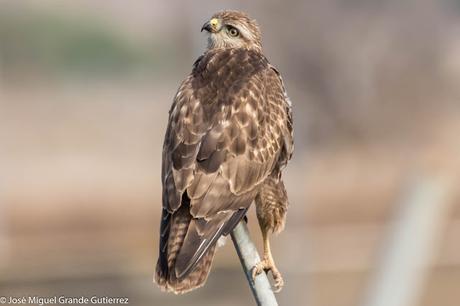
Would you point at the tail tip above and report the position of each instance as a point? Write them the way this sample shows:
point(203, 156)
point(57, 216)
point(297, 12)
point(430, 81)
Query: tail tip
point(177, 288)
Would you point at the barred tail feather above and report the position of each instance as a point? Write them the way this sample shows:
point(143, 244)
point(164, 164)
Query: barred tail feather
point(173, 231)
point(193, 280)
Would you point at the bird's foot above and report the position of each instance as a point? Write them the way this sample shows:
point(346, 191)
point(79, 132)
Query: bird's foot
point(269, 265)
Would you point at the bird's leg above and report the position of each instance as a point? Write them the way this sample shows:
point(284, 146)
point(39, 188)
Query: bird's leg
point(268, 264)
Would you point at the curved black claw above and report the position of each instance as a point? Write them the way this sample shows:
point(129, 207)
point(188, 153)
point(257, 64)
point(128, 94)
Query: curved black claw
point(268, 265)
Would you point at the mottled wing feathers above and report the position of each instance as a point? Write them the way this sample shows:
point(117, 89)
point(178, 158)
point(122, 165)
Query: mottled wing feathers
point(278, 96)
point(228, 128)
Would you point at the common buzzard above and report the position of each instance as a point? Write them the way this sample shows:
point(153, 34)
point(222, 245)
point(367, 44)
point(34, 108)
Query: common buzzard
point(228, 138)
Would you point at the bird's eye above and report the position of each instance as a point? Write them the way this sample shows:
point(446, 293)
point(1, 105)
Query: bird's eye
point(233, 31)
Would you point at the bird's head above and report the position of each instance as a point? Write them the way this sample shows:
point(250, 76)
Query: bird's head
point(232, 29)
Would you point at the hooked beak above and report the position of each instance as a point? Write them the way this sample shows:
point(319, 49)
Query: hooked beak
point(206, 26)
point(212, 26)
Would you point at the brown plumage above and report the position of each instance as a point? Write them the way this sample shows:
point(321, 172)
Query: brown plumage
point(228, 138)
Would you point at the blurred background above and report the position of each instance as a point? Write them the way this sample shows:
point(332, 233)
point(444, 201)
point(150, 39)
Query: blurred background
point(85, 88)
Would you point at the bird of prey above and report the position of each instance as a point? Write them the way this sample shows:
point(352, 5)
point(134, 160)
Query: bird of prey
point(228, 138)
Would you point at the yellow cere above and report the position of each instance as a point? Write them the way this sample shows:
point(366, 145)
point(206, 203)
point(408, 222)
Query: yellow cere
point(214, 22)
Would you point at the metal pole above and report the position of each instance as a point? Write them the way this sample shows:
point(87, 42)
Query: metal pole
point(411, 245)
point(249, 257)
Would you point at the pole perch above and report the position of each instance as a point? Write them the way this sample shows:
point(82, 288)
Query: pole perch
point(411, 245)
point(249, 257)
